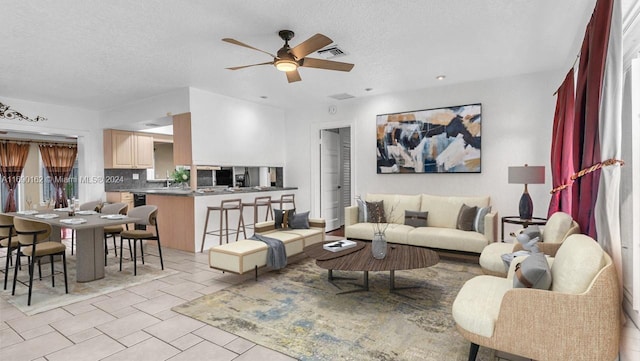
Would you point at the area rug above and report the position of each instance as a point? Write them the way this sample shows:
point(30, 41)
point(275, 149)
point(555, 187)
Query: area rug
point(297, 312)
point(44, 297)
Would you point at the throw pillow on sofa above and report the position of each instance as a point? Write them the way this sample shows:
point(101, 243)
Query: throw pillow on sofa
point(415, 219)
point(362, 210)
point(299, 220)
point(375, 212)
point(466, 217)
point(478, 222)
point(281, 217)
point(533, 272)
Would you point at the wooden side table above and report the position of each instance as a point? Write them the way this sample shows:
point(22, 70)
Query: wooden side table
point(535, 221)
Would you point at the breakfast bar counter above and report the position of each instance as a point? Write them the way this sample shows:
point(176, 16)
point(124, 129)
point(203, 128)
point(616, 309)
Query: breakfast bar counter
point(181, 213)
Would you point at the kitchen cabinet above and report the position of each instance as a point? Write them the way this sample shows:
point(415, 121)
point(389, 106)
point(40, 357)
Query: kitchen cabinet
point(123, 149)
point(121, 197)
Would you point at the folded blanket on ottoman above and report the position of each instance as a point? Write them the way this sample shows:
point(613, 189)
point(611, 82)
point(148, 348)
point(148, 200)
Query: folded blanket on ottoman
point(276, 254)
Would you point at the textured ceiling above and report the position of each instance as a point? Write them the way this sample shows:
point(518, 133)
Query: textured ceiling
point(99, 54)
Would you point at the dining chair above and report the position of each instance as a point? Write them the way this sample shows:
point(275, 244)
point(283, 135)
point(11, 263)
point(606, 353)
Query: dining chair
point(33, 243)
point(8, 240)
point(113, 231)
point(147, 216)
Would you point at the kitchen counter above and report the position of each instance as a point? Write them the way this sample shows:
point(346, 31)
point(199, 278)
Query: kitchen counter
point(173, 191)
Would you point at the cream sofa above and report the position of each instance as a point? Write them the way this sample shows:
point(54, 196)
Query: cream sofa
point(578, 319)
point(249, 255)
point(440, 233)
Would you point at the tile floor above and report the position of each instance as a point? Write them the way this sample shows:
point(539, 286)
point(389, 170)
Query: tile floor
point(137, 323)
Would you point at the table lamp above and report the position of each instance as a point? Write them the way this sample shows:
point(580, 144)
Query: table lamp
point(526, 175)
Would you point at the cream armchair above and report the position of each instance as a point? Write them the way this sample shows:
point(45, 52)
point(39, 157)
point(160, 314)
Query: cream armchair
point(578, 319)
point(559, 226)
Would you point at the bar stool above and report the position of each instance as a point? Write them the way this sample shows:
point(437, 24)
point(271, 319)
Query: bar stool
point(224, 208)
point(285, 199)
point(256, 204)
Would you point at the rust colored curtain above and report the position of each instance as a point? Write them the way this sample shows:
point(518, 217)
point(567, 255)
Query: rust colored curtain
point(58, 160)
point(562, 158)
point(587, 114)
point(13, 156)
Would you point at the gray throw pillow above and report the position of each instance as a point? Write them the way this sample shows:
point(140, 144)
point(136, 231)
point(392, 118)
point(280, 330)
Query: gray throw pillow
point(478, 222)
point(533, 272)
point(281, 217)
point(532, 232)
point(375, 212)
point(299, 221)
point(362, 210)
point(466, 216)
point(415, 219)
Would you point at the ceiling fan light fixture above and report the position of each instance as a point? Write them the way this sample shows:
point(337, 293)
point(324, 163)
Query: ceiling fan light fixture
point(286, 65)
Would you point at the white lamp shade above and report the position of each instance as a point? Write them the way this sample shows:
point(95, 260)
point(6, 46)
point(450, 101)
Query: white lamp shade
point(526, 175)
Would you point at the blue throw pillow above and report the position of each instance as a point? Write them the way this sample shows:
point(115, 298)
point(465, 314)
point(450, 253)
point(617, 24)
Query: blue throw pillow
point(299, 221)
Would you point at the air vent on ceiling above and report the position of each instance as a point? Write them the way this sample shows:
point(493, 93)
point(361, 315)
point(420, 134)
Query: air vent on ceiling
point(341, 96)
point(331, 52)
point(151, 124)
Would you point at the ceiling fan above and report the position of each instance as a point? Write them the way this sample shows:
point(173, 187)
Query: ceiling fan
point(290, 59)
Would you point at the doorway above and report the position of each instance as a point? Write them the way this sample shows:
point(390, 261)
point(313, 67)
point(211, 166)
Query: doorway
point(335, 175)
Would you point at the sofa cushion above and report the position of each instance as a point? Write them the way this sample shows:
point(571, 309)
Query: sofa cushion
point(415, 219)
point(557, 227)
point(466, 216)
point(375, 212)
point(299, 220)
point(478, 223)
point(443, 211)
point(477, 305)
point(577, 262)
point(447, 238)
point(533, 272)
point(281, 217)
point(395, 233)
point(396, 204)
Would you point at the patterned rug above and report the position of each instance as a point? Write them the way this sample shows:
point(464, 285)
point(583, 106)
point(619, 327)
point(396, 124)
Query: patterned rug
point(44, 297)
point(297, 312)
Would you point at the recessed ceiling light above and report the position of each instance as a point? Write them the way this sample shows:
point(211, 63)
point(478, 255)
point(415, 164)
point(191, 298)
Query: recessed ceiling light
point(263, 97)
point(368, 89)
point(441, 77)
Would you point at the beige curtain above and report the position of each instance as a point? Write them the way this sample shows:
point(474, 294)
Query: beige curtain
point(13, 156)
point(58, 160)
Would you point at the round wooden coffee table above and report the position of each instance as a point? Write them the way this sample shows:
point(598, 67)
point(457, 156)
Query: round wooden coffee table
point(399, 257)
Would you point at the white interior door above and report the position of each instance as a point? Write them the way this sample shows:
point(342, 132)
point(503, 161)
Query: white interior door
point(330, 178)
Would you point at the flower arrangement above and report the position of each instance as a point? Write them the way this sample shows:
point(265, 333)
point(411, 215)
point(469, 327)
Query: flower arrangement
point(180, 176)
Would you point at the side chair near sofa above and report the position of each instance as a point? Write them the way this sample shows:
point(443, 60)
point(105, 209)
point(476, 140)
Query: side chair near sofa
point(559, 226)
point(32, 242)
point(8, 240)
point(148, 217)
point(577, 319)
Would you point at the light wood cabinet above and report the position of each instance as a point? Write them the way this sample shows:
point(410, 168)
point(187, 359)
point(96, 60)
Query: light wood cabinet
point(123, 149)
point(182, 139)
point(121, 197)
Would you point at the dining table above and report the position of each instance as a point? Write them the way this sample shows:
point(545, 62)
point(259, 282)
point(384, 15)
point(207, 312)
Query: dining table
point(89, 239)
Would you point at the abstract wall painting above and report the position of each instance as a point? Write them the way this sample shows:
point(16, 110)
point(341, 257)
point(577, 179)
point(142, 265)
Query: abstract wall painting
point(442, 140)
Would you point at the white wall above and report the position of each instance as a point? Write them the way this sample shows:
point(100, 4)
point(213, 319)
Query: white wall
point(228, 131)
point(517, 119)
point(65, 121)
point(146, 110)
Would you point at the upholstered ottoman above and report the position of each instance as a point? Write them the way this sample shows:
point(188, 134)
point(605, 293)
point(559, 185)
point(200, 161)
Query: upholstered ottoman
point(239, 257)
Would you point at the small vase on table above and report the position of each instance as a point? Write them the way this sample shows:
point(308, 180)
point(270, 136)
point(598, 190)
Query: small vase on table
point(379, 246)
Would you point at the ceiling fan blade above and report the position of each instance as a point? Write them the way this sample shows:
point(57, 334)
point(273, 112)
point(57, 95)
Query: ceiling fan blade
point(247, 66)
point(326, 64)
point(310, 45)
point(293, 76)
point(236, 42)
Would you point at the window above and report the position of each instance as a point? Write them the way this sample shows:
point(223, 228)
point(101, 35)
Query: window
point(49, 191)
